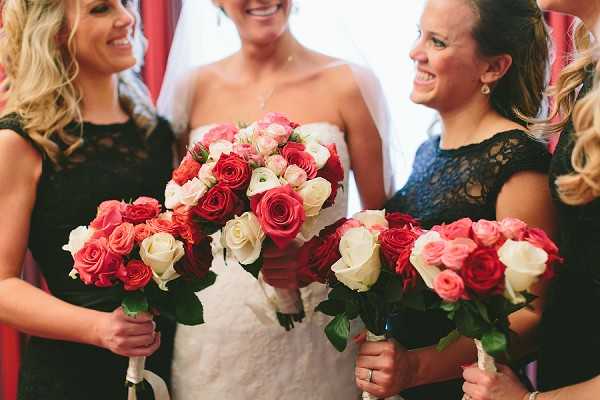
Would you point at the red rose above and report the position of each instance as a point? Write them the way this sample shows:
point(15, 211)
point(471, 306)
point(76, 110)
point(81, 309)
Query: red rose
point(196, 261)
point(218, 205)
point(135, 275)
point(143, 209)
point(401, 220)
point(220, 132)
point(408, 273)
point(188, 230)
point(396, 246)
point(110, 215)
point(333, 171)
point(280, 212)
point(142, 231)
point(96, 264)
point(187, 170)
point(231, 170)
point(122, 239)
point(294, 154)
point(163, 225)
point(483, 272)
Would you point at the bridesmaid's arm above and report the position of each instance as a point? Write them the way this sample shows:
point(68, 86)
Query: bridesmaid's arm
point(30, 309)
point(364, 144)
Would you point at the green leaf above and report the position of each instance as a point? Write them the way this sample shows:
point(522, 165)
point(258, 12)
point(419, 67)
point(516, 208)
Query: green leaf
point(342, 293)
point(331, 307)
point(449, 339)
point(494, 343)
point(468, 323)
point(483, 311)
point(449, 307)
point(415, 300)
point(135, 303)
point(188, 308)
point(352, 310)
point(197, 285)
point(394, 290)
point(338, 331)
point(254, 268)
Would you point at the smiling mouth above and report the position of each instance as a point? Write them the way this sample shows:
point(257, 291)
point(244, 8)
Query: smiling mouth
point(265, 11)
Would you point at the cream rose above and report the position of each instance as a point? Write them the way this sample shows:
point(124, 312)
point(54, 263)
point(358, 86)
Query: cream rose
point(427, 272)
point(172, 195)
point(319, 152)
point(314, 193)
point(206, 175)
point(524, 264)
point(216, 148)
point(77, 239)
point(295, 176)
point(192, 191)
point(160, 252)
point(262, 180)
point(360, 265)
point(372, 219)
point(277, 164)
point(244, 135)
point(243, 236)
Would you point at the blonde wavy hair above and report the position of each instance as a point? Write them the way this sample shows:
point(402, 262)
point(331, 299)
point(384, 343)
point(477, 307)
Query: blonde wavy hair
point(583, 185)
point(40, 72)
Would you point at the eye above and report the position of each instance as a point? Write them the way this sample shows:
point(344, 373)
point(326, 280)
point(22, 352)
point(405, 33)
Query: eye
point(99, 9)
point(419, 33)
point(127, 3)
point(438, 43)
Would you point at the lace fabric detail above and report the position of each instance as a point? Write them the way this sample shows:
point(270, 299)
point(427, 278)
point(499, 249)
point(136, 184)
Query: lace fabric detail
point(237, 356)
point(116, 161)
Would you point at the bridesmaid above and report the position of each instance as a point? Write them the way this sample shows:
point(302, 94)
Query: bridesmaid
point(480, 63)
point(77, 129)
point(570, 349)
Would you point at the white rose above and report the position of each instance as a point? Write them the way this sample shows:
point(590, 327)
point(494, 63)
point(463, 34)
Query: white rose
point(277, 164)
point(192, 191)
point(77, 239)
point(372, 218)
point(262, 180)
point(426, 271)
point(172, 195)
point(219, 147)
point(360, 265)
point(243, 236)
point(244, 135)
point(206, 174)
point(295, 176)
point(265, 145)
point(160, 252)
point(524, 264)
point(319, 152)
point(314, 193)
point(277, 132)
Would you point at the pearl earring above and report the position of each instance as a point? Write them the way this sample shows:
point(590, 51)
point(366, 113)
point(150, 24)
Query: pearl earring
point(485, 89)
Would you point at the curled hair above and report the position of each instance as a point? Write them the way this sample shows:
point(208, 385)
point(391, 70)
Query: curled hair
point(40, 74)
point(516, 28)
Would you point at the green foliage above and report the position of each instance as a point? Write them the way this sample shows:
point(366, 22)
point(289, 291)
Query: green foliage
point(338, 331)
point(254, 268)
point(135, 303)
point(448, 340)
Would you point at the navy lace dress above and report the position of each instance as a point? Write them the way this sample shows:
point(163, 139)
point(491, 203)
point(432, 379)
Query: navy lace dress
point(447, 185)
point(570, 332)
point(117, 161)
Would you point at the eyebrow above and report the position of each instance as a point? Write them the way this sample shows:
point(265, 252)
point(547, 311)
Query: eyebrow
point(435, 33)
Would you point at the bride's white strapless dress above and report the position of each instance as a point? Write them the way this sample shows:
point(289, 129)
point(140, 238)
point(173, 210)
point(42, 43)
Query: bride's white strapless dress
point(236, 356)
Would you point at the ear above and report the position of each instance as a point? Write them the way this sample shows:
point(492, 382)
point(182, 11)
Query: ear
point(497, 67)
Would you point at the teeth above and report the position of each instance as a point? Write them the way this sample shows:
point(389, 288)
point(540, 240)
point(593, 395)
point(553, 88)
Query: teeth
point(424, 76)
point(264, 12)
point(120, 42)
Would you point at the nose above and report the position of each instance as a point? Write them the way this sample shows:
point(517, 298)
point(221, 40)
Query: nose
point(125, 17)
point(417, 53)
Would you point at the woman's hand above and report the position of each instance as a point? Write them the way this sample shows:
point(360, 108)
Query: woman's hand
point(503, 385)
point(128, 336)
point(280, 266)
point(391, 367)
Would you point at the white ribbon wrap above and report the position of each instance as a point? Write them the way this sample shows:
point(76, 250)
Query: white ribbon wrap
point(371, 337)
point(485, 362)
point(136, 374)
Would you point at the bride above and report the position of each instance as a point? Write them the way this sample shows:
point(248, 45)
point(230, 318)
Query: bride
point(241, 352)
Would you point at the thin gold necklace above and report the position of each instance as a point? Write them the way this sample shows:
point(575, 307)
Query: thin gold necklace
point(263, 98)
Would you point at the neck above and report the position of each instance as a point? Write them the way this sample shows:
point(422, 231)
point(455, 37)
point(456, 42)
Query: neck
point(263, 60)
point(591, 18)
point(100, 98)
point(466, 124)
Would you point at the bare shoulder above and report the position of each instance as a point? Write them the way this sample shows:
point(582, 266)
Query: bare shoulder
point(18, 158)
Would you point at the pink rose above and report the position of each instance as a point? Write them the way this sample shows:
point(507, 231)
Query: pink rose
point(456, 252)
point(95, 264)
point(487, 233)
point(135, 275)
point(513, 228)
point(266, 145)
point(351, 223)
point(142, 231)
point(220, 132)
point(294, 154)
point(278, 132)
point(295, 175)
point(449, 286)
point(122, 239)
point(244, 150)
point(277, 164)
point(279, 119)
point(457, 229)
point(109, 217)
point(163, 225)
point(433, 251)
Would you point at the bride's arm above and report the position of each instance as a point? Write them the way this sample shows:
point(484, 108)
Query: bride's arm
point(30, 309)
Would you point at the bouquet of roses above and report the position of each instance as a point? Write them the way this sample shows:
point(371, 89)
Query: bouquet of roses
point(147, 260)
point(482, 272)
point(263, 182)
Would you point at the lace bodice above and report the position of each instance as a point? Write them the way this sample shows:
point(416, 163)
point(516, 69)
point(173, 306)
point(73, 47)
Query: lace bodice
point(115, 161)
point(242, 352)
point(577, 284)
point(444, 186)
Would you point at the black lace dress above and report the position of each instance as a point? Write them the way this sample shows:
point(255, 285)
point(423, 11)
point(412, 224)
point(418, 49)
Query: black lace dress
point(570, 334)
point(116, 161)
point(447, 185)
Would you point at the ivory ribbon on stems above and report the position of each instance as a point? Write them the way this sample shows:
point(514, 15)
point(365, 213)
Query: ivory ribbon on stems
point(371, 337)
point(289, 301)
point(136, 374)
point(485, 362)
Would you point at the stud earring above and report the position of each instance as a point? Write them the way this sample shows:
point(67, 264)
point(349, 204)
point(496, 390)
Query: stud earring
point(485, 89)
